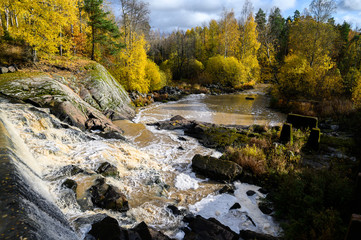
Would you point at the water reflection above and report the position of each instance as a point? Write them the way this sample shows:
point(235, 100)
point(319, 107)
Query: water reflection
point(232, 109)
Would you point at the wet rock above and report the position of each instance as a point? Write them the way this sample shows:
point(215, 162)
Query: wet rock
point(109, 229)
point(67, 112)
point(178, 118)
point(216, 168)
point(249, 98)
point(175, 210)
point(94, 124)
point(182, 139)
point(112, 135)
point(207, 229)
point(108, 197)
point(227, 189)
point(250, 235)
point(180, 148)
point(71, 184)
point(106, 169)
point(250, 193)
point(263, 190)
point(265, 207)
point(235, 206)
point(70, 170)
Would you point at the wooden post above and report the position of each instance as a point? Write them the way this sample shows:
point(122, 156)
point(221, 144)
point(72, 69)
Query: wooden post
point(354, 229)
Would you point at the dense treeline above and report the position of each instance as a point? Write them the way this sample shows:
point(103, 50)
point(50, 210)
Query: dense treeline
point(38, 30)
point(305, 56)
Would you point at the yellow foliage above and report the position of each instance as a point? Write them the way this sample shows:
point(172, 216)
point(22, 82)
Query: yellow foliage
point(298, 78)
point(41, 24)
point(134, 71)
point(226, 70)
point(154, 76)
point(249, 46)
point(356, 93)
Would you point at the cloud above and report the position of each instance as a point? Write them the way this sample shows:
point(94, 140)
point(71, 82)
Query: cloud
point(284, 4)
point(351, 4)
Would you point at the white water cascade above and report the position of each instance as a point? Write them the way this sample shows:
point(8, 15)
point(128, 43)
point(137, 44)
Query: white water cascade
point(154, 172)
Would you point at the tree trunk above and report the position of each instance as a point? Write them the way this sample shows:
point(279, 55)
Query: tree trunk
point(35, 57)
point(93, 43)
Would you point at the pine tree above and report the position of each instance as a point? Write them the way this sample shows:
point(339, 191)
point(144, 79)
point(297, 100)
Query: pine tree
point(102, 29)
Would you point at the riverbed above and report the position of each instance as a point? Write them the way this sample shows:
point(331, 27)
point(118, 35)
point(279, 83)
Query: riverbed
point(154, 165)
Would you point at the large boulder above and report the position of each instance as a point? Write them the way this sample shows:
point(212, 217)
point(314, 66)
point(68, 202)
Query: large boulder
point(215, 168)
point(103, 97)
point(109, 229)
point(104, 93)
point(207, 229)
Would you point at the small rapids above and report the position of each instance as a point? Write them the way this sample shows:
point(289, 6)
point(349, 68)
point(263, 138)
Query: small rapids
point(154, 165)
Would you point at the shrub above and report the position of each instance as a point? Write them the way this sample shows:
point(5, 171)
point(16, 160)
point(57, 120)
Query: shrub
point(226, 70)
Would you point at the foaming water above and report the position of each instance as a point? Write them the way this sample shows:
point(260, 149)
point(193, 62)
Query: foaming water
point(154, 169)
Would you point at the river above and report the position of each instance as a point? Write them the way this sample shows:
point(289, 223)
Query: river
point(154, 166)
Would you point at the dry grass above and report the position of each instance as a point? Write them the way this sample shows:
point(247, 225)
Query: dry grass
point(250, 158)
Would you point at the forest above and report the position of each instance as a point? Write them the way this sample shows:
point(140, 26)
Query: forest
point(305, 56)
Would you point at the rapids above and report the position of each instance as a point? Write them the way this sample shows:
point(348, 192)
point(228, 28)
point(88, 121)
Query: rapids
point(154, 165)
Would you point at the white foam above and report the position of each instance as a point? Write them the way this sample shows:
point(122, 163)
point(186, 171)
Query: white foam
point(218, 207)
point(185, 182)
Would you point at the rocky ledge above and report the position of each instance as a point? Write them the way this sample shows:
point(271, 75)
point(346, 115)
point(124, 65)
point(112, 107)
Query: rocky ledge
point(88, 102)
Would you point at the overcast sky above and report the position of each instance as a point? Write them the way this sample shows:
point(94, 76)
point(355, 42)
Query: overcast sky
point(169, 15)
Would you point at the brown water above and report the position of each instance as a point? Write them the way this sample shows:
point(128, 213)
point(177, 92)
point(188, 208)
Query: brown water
point(232, 109)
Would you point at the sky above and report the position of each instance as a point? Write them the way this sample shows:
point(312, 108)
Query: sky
point(170, 15)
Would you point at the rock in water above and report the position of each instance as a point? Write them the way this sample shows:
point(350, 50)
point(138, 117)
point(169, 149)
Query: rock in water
point(71, 184)
point(109, 229)
point(216, 168)
point(108, 197)
point(207, 229)
point(107, 169)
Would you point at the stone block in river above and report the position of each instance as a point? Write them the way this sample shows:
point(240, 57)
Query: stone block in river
point(215, 168)
point(301, 121)
point(286, 133)
point(313, 141)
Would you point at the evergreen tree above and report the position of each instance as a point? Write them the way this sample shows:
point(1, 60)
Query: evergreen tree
point(102, 29)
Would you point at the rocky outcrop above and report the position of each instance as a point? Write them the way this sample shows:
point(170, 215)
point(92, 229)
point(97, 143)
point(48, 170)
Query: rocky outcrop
point(104, 93)
point(109, 229)
point(101, 97)
point(215, 168)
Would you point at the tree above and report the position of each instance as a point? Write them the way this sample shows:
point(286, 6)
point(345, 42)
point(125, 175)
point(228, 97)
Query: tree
point(229, 33)
point(103, 31)
point(322, 9)
point(249, 46)
point(135, 19)
point(40, 24)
